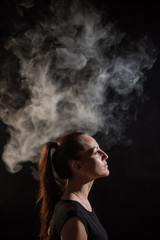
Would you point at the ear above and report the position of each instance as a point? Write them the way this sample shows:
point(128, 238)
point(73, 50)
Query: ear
point(76, 166)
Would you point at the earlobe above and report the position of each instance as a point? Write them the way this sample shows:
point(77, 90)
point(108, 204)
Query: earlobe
point(76, 165)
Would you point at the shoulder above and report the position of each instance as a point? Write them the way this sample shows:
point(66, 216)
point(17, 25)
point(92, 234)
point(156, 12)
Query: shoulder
point(68, 207)
point(70, 213)
point(73, 229)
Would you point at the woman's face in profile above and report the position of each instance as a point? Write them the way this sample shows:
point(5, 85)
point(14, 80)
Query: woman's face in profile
point(93, 159)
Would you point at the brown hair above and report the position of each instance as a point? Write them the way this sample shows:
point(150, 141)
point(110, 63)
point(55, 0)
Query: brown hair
point(50, 189)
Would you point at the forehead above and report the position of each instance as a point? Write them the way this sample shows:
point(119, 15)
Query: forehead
point(88, 142)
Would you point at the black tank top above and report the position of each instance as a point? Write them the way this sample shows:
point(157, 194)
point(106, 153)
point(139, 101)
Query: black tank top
point(66, 209)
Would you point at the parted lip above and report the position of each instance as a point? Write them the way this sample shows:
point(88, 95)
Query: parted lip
point(106, 165)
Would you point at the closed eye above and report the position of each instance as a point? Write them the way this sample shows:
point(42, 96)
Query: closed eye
point(95, 150)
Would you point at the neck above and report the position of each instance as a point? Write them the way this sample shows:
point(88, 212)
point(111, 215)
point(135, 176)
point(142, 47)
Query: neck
point(82, 190)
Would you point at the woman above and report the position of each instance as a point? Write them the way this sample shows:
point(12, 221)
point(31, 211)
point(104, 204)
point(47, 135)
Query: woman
point(68, 169)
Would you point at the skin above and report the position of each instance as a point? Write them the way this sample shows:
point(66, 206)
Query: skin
point(91, 165)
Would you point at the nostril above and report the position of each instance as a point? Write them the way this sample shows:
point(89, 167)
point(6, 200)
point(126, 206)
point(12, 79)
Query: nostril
point(105, 156)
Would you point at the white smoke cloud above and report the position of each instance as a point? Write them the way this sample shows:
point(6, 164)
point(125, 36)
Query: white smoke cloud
point(67, 66)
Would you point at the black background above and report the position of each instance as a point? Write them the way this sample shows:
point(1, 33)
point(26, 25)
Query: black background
point(127, 202)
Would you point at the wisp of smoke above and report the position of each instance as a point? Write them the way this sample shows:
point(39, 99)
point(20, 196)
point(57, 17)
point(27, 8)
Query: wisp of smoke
point(69, 72)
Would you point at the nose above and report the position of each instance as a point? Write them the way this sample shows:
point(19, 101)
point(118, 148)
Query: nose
point(105, 156)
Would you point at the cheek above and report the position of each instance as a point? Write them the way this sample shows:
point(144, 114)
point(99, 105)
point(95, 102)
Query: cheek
point(93, 166)
point(98, 169)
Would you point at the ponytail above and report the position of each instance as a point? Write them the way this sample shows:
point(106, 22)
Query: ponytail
point(54, 172)
point(50, 191)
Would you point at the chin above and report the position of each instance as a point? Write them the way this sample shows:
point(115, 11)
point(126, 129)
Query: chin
point(107, 173)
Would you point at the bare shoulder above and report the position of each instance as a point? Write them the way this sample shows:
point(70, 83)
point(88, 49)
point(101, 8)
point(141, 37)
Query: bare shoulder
point(74, 229)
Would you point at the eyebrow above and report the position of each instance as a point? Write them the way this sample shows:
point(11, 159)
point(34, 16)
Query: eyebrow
point(92, 149)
